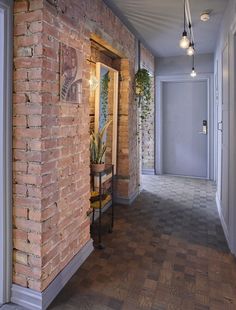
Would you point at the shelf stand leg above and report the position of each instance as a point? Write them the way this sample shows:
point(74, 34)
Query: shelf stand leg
point(100, 246)
point(112, 203)
point(93, 217)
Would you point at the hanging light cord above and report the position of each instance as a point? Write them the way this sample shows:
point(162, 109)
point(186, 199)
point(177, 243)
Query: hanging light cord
point(184, 18)
point(191, 36)
point(190, 31)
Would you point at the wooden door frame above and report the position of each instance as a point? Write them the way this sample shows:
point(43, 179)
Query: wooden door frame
point(208, 78)
point(6, 56)
point(99, 65)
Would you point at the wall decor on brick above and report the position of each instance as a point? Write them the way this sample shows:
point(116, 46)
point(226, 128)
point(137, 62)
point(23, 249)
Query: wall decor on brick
point(70, 74)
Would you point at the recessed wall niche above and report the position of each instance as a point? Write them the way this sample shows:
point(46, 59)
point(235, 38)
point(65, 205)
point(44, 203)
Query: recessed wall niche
point(105, 65)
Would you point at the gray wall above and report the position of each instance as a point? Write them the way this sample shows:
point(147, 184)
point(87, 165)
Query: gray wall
point(6, 57)
point(169, 66)
point(225, 35)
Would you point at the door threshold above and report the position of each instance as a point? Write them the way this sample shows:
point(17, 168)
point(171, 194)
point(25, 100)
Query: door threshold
point(187, 176)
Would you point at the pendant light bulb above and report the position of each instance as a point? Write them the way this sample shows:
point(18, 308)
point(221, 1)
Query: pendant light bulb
point(190, 50)
point(184, 41)
point(193, 73)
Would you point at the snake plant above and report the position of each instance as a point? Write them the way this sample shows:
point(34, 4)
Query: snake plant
point(97, 145)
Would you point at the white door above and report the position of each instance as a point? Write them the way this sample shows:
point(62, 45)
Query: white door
point(225, 136)
point(185, 144)
point(5, 147)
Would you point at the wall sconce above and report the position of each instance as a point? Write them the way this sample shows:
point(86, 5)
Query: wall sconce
point(93, 82)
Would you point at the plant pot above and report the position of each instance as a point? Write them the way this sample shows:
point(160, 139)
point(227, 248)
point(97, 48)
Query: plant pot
point(97, 167)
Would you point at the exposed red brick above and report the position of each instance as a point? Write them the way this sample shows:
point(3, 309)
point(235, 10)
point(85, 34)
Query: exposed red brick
point(27, 271)
point(27, 225)
point(19, 279)
point(20, 6)
point(24, 246)
point(20, 257)
point(35, 238)
point(20, 212)
point(35, 261)
point(35, 27)
point(28, 17)
point(19, 234)
point(51, 138)
point(35, 5)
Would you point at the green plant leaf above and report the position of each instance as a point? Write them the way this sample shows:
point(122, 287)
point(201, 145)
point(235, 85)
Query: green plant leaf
point(97, 145)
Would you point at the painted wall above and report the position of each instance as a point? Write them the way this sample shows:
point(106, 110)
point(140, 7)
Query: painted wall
point(2, 219)
point(225, 38)
point(204, 63)
point(6, 57)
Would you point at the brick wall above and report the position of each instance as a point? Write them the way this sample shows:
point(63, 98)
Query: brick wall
point(148, 135)
point(27, 143)
point(51, 138)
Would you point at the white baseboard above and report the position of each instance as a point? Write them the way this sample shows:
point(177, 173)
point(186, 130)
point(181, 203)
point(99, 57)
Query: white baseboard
point(26, 297)
point(34, 300)
point(148, 171)
point(126, 201)
point(225, 228)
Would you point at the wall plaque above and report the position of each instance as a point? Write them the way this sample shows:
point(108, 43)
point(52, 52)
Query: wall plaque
point(70, 74)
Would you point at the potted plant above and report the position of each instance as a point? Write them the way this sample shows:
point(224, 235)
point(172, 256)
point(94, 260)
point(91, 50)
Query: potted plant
point(143, 87)
point(98, 149)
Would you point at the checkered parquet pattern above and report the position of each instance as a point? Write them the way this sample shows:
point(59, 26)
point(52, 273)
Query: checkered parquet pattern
point(167, 251)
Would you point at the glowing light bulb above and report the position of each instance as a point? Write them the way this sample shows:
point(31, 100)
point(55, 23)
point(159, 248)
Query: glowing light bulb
point(184, 41)
point(190, 50)
point(193, 73)
point(93, 82)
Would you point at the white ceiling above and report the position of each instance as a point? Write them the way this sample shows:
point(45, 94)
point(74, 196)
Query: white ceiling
point(160, 23)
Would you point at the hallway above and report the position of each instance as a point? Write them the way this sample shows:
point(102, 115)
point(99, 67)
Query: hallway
point(167, 251)
point(95, 96)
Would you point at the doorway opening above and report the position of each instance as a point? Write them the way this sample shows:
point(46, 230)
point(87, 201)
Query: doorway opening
point(184, 132)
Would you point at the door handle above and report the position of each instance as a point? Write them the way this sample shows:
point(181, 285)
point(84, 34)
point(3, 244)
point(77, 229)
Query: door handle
point(220, 126)
point(204, 128)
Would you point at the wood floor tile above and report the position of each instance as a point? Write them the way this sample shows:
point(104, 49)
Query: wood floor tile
point(167, 252)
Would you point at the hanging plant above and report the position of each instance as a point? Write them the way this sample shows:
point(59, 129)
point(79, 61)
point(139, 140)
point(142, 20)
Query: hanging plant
point(143, 87)
point(104, 96)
